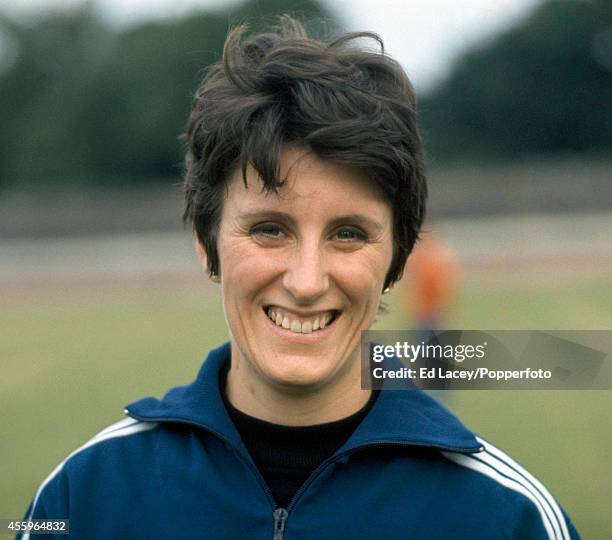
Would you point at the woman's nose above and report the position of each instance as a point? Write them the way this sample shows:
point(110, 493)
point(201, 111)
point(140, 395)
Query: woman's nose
point(306, 276)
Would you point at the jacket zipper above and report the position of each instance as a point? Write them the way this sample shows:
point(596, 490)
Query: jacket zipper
point(279, 514)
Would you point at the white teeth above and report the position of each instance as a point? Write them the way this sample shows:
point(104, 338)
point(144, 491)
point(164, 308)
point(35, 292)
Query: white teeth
point(306, 327)
point(299, 327)
point(325, 321)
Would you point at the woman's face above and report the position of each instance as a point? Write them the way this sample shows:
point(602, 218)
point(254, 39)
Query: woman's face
point(302, 272)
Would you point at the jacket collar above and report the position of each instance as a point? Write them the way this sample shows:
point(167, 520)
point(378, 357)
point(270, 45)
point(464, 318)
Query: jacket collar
point(398, 416)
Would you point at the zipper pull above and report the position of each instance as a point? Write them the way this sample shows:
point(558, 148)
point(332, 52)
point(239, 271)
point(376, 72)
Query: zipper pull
point(280, 516)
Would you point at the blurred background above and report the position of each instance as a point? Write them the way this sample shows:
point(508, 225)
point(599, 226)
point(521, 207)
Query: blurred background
point(101, 297)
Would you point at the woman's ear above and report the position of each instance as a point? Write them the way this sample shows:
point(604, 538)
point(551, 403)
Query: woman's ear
point(204, 261)
point(201, 255)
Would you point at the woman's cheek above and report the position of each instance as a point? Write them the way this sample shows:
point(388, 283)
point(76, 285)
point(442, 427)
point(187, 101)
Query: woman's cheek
point(363, 270)
point(250, 265)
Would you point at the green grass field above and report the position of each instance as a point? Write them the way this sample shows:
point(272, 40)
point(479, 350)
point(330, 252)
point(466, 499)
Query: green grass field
point(72, 359)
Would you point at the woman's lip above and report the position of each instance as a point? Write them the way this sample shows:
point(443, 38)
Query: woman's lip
point(302, 338)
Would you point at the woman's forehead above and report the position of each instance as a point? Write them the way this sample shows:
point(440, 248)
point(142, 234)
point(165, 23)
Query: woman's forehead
point(308, 182)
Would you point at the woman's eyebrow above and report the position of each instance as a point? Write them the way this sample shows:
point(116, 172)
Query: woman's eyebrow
point(358, 219)
point(345, 219)
point(266, 214)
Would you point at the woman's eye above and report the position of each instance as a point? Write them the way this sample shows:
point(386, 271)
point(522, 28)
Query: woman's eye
point(267, 229)
point(348, 235)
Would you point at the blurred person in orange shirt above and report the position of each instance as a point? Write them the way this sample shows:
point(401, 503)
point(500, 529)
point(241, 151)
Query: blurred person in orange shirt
point(431, 282)
point(432, 276)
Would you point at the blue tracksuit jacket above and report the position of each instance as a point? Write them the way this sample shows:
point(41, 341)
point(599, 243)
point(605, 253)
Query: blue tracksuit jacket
point(176, 468)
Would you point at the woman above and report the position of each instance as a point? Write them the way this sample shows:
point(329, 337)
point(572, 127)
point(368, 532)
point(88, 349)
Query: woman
point(305, 188)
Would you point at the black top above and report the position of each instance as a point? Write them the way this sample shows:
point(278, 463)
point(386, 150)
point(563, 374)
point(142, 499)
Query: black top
point(287, 456)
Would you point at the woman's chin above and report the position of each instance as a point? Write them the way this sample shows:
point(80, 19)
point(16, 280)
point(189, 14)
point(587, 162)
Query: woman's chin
point(297, 373)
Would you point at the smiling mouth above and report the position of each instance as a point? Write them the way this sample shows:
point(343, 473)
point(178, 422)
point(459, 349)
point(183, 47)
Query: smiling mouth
point(299, 324)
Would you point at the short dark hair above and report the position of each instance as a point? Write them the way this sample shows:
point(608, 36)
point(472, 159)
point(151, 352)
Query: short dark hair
point(348, 105)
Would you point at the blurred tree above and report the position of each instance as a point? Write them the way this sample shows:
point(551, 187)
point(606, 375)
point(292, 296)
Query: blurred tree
point(85, 103)
point(544, 86)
